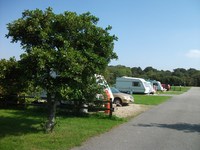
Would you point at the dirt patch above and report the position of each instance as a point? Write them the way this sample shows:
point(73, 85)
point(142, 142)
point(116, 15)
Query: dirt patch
point(130, 111)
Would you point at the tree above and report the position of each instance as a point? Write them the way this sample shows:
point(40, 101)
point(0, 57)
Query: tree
point(150, 69)
point(179, 72)
point(11, 81)
point(195, 79)
point(62, 53)
point(136, 71)
point(117, 71)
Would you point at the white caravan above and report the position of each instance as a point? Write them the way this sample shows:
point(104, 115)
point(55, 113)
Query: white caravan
point(157, 85)
point(132, 85)
point(151, 89)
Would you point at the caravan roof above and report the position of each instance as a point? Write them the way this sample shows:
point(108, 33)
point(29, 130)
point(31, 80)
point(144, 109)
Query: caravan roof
point(131, 78)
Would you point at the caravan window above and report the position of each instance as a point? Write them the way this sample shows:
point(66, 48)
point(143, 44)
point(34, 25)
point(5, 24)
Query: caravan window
point(135, 83)
point(155, 84)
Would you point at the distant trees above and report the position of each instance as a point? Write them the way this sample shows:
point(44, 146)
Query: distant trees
point(117, 71)
point(179, 76)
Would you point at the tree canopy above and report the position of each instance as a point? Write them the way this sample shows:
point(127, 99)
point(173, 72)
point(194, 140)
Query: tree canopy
point(62, 52)
point(10, 77)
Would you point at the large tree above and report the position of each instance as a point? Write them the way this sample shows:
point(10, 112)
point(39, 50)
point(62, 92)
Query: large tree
point(62, 53)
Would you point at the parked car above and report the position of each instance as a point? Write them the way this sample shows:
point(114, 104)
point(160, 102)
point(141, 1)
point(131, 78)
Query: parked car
point(121, 98)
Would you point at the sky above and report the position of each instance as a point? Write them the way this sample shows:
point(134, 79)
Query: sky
point(163, 34)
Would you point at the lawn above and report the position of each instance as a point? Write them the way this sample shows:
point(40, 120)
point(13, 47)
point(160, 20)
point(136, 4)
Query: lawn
point(150, 99)
point(158, 99)
point(176, 90)
point(22, 130)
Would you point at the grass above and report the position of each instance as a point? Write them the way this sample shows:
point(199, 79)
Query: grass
point(158, 99)
point(176, 90)
point(150, 99)
point(21, 130)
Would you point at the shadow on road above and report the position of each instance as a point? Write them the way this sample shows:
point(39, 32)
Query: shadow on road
point(185, 127)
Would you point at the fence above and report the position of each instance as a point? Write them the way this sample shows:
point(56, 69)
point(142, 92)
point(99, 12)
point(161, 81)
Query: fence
point(98, 105)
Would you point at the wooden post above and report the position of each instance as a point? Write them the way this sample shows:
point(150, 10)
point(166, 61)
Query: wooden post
point(111, 108)
point(107, 105)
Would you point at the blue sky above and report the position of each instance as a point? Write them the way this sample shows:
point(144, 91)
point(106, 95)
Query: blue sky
point(164, 34)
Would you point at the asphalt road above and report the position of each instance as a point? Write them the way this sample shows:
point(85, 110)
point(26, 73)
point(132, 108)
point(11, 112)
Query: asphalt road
point(173, 125)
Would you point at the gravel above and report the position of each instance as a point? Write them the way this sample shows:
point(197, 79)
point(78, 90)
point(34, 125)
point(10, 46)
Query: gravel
point(130, 111)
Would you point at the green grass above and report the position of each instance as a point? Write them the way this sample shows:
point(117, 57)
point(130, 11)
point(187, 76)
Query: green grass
point(150, 99)
point(22, 130)
point(158, 99)
point(176, 90)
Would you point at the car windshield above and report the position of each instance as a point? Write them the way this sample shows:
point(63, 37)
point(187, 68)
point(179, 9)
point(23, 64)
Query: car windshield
point(114, 90)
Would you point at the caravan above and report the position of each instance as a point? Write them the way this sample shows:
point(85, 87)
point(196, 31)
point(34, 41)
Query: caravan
point(102, 82)
point(151, 88)
point(157, 85)
point(132, 85)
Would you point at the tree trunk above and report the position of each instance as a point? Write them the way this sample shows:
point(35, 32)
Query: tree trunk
point(51, 113)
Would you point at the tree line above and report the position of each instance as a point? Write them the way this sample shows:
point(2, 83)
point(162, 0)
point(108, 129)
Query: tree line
point(177, 77)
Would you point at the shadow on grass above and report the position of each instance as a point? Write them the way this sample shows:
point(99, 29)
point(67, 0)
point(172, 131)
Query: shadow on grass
point(18, 122)
point(185, 127)
point(24, 121)
point(18, 126)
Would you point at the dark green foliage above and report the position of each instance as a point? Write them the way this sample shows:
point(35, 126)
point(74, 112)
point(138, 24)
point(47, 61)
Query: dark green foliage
point(11, 80)
point(116, 71)
point(179, 76)
point(68, 45)
point(62, 53)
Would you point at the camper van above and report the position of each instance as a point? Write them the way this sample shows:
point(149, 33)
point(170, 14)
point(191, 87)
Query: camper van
point(132, 85)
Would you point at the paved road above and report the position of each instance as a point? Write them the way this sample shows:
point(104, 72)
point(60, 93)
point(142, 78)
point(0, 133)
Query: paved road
point(173, 125)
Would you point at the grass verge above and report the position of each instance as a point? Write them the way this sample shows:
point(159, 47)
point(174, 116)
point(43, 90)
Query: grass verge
point(150, 99)
point(176, 90)
point(21, 130)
